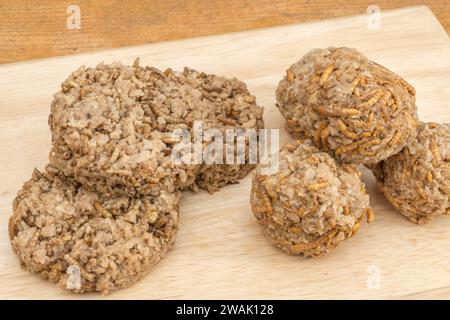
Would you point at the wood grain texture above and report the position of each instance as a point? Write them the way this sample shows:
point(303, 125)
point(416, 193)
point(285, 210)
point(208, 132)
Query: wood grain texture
point(220, 250)
point(31, 29)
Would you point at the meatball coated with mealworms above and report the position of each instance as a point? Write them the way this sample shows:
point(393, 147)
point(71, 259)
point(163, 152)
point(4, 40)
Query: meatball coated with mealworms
point(347, 105)
point(112, 127)
point(85, 241)
point(312, 203)
point(417, 180)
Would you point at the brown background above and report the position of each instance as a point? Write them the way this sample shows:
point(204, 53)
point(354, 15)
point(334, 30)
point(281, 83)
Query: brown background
point(36, 29)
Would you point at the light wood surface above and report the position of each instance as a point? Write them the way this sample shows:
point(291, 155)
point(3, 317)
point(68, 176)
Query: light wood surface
point(220, 250)
point(31, 29)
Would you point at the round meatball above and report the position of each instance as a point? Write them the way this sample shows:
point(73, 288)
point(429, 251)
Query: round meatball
point(113, 127)
point(312, 203)
point(417, 180)
point(347, 105)
point(86, 241)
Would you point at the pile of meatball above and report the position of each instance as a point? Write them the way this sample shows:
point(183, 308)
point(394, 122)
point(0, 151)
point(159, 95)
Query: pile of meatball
point(345, 110)
point(105, 209)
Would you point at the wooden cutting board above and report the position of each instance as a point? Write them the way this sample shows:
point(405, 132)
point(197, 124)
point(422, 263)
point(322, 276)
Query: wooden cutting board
point(220, 250)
